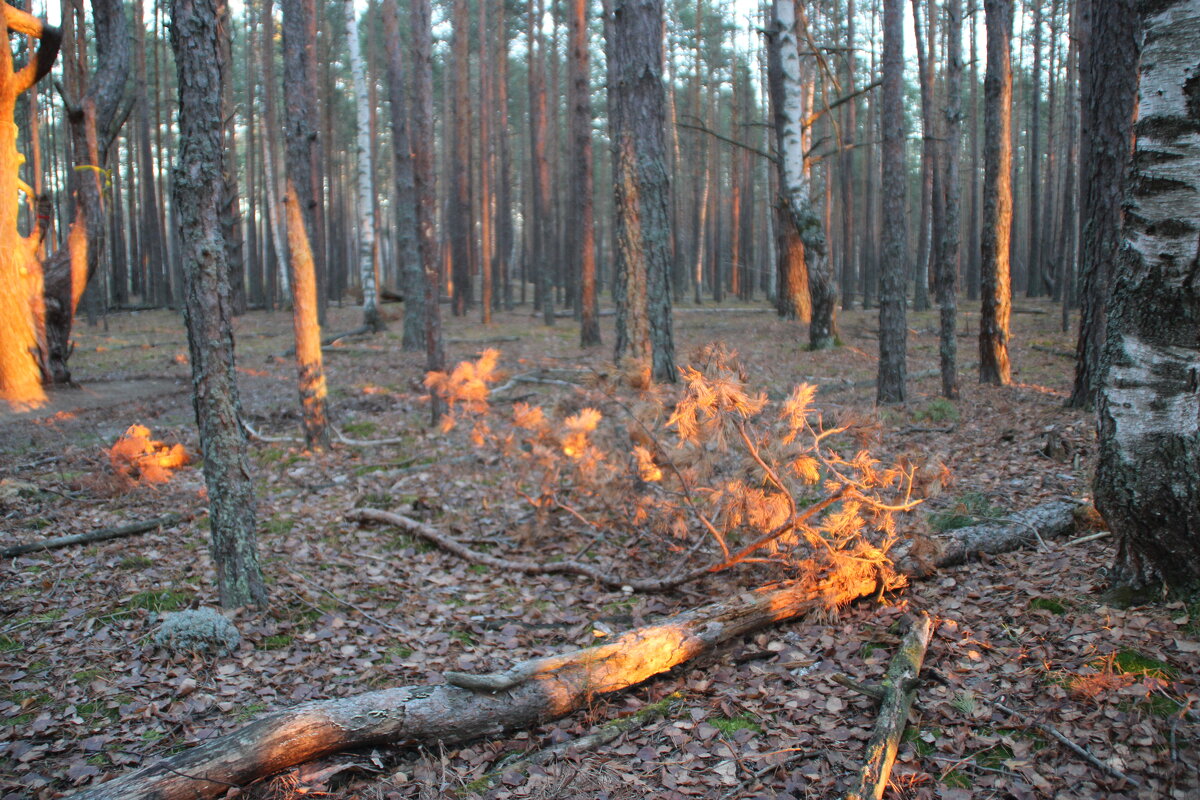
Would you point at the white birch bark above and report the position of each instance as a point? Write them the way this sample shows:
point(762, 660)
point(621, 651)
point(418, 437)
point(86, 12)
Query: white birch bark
point(366, 199)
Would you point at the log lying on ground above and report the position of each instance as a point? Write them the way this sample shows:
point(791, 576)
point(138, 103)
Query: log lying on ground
point(899, 689)
point(98, 535)
point(1024, 528)
point(450, 714)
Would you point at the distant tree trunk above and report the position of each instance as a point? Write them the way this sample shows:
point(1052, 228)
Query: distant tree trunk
point(893, 328)
point(152, 248)
point(946, 269)
point(504, 214)
point(365, 174)
point(196, 192)
point(459, 221)
point(1148, 476)
point(974, 245)
point(928, 157)
point(271, 165)
point(255, 261)
point(583, 227)
point(1110, 34)
point(408, 253)
point(298, 21)
point(848, 133)
point(637, 114)
point(231, 215)
point(792, 299)
point(539, 228)
point(1035, 285)
point(422, 147)
point(487, 162)
point(996, 287)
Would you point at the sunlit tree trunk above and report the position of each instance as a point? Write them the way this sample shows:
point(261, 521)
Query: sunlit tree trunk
point(995, 285)
point(487, 242)
point(893, 329)
point(300, 209)
point(1110, 45)
point(196, 192)
point(583, 223)
point(794, 180)
point(365, 174)
point(426, 195)
point(946, 266)
point(637, 114)
point(21, 305)
point(459, 221)
point(1148, 476)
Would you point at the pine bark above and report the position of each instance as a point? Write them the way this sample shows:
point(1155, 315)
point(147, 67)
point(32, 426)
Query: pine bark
point(995, 282)
point(153, 250)
point(893, 329)
point(946, 265)
point(1148, 476)
point(928, 157)
point(1110, 31)
point(196, 193)
point(1035, 284)
point(231, 215)
point(637, 115)
point(459, 222)
point(583, 227)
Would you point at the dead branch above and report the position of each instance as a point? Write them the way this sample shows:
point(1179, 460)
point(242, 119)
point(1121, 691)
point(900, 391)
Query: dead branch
point(451, 545)
point(98, 535)
point(450, 714)
point(1078, 749)
point(899, 689)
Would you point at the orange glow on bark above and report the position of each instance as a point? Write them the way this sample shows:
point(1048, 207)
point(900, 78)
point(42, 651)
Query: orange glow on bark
point(306, 327)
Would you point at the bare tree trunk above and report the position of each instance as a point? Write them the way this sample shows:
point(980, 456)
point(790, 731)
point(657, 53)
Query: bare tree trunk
point(487, 159)
point(1035, 285)
point(366, 172)
point(928, 156)
point(459, 222)
point(848, 133)
point(271, 165)
point(152, 247)
point(974, 245)
point(997, 196)
point(893, 329)
point(1148, 476)
point(539, 227)
point(583, 226)
point(946, 270)
point(1108, 56)
point(196, 193)
point(504, 217)
point(298, 22)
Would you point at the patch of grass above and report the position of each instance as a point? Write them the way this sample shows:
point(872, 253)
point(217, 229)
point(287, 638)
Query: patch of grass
point(463, 637)
point(731, 725)
point(277, 641)
point(159, 602)
point(250, 711)
point(937, 410)
point(920, 739)
point(1048, 604)
point(84, 677)
point(617, 606)
point(398, 653)
point(271, 455)
point(10, 645)
point(278, 526)
point(135, 562)
point(478, 569)
point(868, 648)
point(994, 757)
point(1131, 662)
point(98, 708)
point(964, 702)
point(17, 721)
point(37, 523)
point(51, 615)
point(152, 736)
point(970, 509)
point(381, 500)
point(363, 428)
point(957, 780)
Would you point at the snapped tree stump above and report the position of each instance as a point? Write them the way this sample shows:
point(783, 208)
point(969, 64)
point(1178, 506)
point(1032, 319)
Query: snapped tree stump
point(533, 692)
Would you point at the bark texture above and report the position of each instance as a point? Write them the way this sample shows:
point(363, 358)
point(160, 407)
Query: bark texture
point(637, 109)
point(196, 192)
point(1148, 477)
point(893, 328)
point(1110, 31)
point(527, 694)
point(364, 174)
point(583, 227)
point(946, 263)
point(995, 281)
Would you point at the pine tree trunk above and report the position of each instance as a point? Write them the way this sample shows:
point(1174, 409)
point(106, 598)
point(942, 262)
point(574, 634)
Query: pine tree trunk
point(995, 285)
point(893, 329)
point(928, 155)
point(583, 227)
point(946, 268)
point(1035, 284)
point(196, 193)
point(1108, 81)
point(1148, 476)
point(459, 221)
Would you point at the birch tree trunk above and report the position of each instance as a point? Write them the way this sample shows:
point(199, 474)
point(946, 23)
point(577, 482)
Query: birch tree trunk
point(794, 182)
point(1148, 477)
point(893, 328)
point(196, 191)
point(366, 194)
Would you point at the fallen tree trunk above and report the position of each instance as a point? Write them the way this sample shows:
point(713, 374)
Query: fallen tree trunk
point(1046, 521)
point(899, 688)
point(98, 535)
point(446, 713)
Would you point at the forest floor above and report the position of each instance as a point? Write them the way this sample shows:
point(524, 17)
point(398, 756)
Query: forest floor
point(85, 692)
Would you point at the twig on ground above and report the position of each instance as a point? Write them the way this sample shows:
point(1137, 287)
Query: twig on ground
point(98, 535)
point(1089, 538)
point(367, 442)
point(270, 439)
point(1078, 749)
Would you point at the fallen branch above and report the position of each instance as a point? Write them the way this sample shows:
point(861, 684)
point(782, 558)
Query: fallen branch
point(450, 714)
point(98, 535)
point(253, 434)
point(1046, 521)
point(451, 545)
point(1078, 749)
point(368, 442)
point(899, 689)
